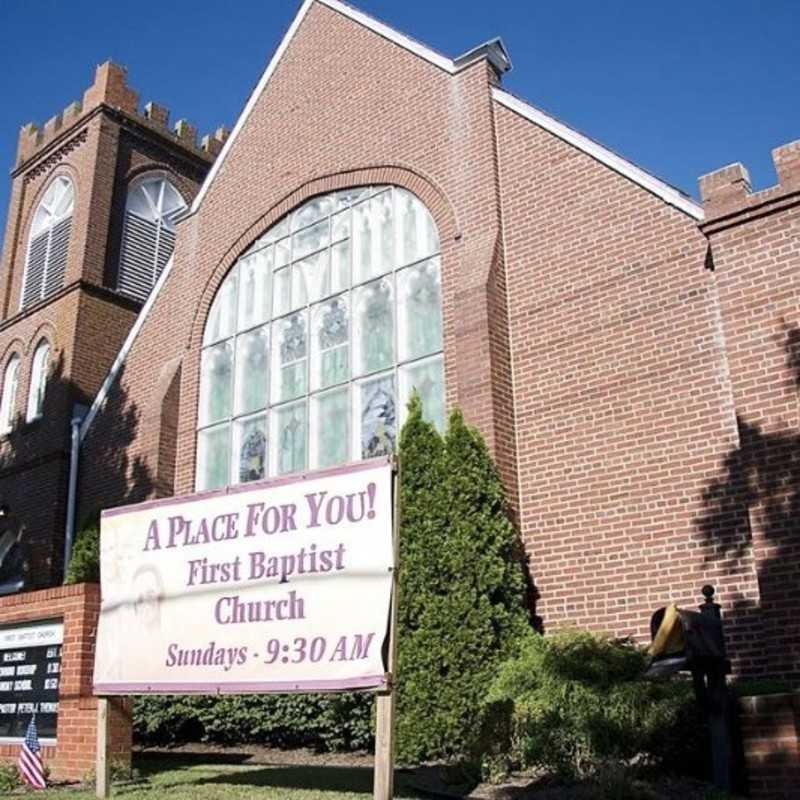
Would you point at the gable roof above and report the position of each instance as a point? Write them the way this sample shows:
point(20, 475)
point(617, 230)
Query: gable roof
point(400, 39)
point(497, 54)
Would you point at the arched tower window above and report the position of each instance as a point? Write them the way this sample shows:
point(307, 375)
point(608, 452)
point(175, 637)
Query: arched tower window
point(46, 262)
point(148, 235)
point(38, 385)
point(8, 402)
point(317, 337)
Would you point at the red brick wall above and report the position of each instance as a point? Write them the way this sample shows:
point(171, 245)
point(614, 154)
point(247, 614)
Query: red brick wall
point(755, 245)
point(101, 149)
point(340, 83)
point(770, 730)
point(73, 755)
point(585, 330)
point(623, 403)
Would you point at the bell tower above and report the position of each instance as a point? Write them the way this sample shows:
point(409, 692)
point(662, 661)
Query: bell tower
point(95, 192)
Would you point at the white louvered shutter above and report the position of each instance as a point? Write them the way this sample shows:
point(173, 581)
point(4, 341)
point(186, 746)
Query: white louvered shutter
point(148, 236)
point(46, 262)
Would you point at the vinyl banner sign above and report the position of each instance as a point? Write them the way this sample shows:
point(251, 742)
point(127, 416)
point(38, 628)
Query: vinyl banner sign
point(275, 586)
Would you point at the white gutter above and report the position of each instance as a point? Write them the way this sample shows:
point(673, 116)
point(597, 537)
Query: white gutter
point(669, 194)
point(81, 427)
point(74, 453)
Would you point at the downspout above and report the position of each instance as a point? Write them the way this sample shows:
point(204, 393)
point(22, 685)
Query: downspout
point(69, 532)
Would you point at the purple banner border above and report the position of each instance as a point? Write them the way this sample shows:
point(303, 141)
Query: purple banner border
point(258, 687)
point(296, 477)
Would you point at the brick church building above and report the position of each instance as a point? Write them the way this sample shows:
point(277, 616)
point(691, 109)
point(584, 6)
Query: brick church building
point(180, 317)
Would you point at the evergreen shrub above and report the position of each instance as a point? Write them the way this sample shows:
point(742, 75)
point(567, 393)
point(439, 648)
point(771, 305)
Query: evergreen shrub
point(462, 591)
point(461, 612)
point(322, 721)
point(575, 702)
point(84, 563)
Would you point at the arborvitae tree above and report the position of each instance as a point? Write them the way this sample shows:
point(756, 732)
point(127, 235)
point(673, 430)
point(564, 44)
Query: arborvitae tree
point(461, 589)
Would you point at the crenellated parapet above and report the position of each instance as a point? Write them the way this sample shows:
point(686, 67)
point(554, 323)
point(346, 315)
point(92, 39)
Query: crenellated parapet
point(110, 88)
point(728, 190)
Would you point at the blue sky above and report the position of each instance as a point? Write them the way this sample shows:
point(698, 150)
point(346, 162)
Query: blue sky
point(681, 88)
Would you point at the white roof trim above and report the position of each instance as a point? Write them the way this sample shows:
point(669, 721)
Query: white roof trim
point(368, 22)
point(605, 156)
point(111, 377)
point(419, 49)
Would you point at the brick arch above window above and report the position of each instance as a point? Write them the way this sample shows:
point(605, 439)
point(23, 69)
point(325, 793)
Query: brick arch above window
point(425, 188)
point(318, 335)
point(9, 391)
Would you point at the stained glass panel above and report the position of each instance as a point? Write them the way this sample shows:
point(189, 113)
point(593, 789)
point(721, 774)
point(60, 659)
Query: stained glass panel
point(316, 277)
point(311, 211)
point(330, 416)
point(216, 383)
point(289, 438)
point(255, 277)
point(250, 449)
point(320, 282)
point(375, 333)
point(417, 235)
point(331, 344)
point(377, 415)
point(290, 350)
point(222, 316)
point(427, 377)
point(252, 370)
point(213, 457)
point(310, 239)
point(420, 298)
point(362, 242)
point(283, 292)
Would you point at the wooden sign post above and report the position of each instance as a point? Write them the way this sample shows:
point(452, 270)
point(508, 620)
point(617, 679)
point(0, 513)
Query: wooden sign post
point(387, 700)
point(102, 768)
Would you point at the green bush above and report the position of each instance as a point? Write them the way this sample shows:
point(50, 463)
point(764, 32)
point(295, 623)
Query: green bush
point(84, 563)
point(324, 722)
point(9, 777)
point(575, 703)
point(461, 611)
point(461, 587)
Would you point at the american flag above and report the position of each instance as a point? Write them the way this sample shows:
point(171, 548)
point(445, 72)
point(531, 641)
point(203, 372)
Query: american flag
point(30, 758)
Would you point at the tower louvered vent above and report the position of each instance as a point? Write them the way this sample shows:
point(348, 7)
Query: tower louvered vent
point(148, 236)
point(46, 263)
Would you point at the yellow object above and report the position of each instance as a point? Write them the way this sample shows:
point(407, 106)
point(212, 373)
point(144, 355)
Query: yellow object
point(669, 638)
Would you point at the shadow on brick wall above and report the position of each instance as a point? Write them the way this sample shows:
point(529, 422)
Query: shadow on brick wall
point(34, 477)
point(752, 515)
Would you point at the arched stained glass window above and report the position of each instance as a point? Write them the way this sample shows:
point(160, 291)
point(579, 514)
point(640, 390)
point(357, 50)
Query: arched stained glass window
point(38, 385)
point(46, 262)
point(317, 337)
point(148, 235)
point(8, 402)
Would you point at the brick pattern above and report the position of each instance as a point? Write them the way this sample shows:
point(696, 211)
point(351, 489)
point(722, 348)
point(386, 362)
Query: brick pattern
point(623, 404)
point(755, 245)
point(586, 332)
point(73, 755)
point(444, 153)
point(102, 145)
point(770, 731)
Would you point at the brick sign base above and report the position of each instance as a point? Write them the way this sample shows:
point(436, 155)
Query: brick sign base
point(73, 755)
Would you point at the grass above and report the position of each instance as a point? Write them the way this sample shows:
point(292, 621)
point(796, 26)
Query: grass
point(184, 778)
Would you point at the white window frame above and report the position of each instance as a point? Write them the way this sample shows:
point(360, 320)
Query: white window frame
point(38, 382)
point(8, 402)
point(156, 217)
point(282, 231)
point(55, 219)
